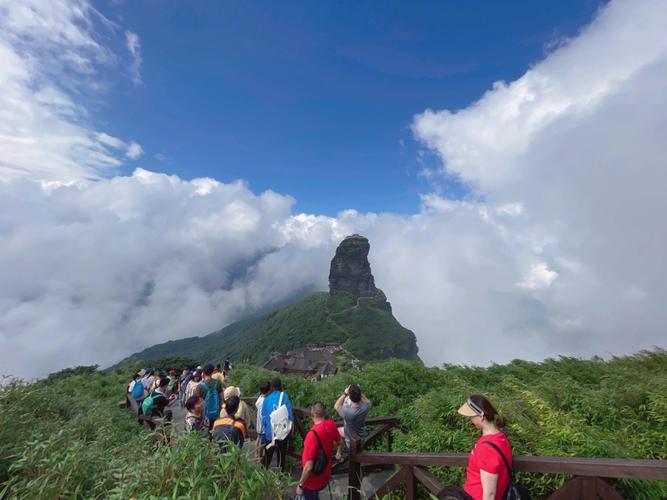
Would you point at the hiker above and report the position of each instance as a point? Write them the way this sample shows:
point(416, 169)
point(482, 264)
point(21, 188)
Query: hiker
point(210, 390)
point(228, 428)
point(353, 407)
point(243, 410)
point(136, 388)
point(158, 401)
point(487, 475)
point(183, 380)
point(227, 367)
point(195, 420)
point(173, 382)
point(192, 388)
point(264, 388)
point(219, 375)
point(148, 380)
point(317, 456)
point(280, 421)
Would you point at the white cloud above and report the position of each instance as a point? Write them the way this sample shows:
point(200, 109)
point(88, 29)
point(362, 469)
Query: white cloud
point(134, 151)
point(485, 142)
point(49, 52)
point(538, 277)
point(134, 47)
point(568, 160)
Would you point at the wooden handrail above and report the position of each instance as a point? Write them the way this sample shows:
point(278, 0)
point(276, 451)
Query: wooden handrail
point(593, 467)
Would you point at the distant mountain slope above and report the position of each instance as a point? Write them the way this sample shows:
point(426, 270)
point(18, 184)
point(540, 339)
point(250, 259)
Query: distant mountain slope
point(364, 325)
point(354, 312)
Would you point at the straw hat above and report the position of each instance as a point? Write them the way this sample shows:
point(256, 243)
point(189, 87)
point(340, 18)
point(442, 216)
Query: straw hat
point(232, 391)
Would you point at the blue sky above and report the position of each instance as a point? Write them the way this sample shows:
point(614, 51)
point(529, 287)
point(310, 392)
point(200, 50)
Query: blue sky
point(315, 99)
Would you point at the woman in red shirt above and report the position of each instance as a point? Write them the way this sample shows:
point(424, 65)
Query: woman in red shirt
point(487, 477)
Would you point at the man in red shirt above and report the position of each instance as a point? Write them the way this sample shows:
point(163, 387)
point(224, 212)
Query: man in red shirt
point(310, 483)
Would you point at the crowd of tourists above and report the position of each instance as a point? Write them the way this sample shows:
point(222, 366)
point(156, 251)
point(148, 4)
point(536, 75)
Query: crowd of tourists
point(215, 410)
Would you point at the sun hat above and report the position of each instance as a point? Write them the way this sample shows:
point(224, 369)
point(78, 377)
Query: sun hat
point(232, 391)
point(141, 372)
point(470, 409)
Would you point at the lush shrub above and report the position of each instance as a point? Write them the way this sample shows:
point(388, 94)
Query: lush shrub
point(66, 437)
point(564, 407)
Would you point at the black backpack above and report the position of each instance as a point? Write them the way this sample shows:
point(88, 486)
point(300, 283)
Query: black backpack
point(320, 463)
point(226, 433)
point(514, 491)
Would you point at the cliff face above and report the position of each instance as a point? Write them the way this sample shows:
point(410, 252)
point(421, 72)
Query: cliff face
point(354, 313)
point(350, 270)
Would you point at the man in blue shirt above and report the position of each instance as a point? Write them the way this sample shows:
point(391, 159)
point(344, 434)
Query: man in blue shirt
point(269, 405)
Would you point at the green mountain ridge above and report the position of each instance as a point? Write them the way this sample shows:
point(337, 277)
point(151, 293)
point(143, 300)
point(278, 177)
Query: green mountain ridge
point(365, 326)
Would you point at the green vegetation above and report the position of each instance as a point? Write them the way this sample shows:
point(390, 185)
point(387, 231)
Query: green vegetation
point(65, 437)
point(367, 329)
point(565, 407)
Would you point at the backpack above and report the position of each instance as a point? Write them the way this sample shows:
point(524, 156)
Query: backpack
point(211, 401)
point(320, 463)
point(137, 390)
point(281, 425)
point(149, 402)
point(225, 431)
point(514, 491)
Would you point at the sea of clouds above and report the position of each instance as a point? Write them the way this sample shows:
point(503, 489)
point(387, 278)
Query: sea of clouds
point(559, 249)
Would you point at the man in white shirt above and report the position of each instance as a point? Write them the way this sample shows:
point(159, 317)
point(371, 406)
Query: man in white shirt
point(264, 389)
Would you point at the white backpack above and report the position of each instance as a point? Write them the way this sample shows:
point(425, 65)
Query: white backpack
point(281, 425)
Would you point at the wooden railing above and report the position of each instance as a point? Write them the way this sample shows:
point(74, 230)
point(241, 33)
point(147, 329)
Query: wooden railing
point(381, 427)
point(588, 482)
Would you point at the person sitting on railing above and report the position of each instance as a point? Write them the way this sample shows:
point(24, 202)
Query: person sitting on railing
point(487, 476)
point(195, 420)
point(353, 407)
point(156, 404)
point(317, 456)
point(229, 429)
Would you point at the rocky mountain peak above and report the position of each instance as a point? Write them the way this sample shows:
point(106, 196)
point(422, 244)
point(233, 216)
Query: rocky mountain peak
point(350, 270)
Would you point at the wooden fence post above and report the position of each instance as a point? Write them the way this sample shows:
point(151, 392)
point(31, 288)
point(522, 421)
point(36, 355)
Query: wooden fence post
point(354, 473)
point(410, 483)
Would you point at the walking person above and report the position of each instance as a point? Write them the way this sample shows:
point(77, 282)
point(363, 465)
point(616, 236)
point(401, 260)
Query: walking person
point(228, 429)
point(192, 388)
point(136, 389)
point(183, 381)
point(274, 420)
point(264, 389)
point(487, 473)
point(210, 390)
point(317, 456)
point(195, 420)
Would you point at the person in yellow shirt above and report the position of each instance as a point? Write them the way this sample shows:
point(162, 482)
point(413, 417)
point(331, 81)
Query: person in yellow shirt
point(244, 412)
